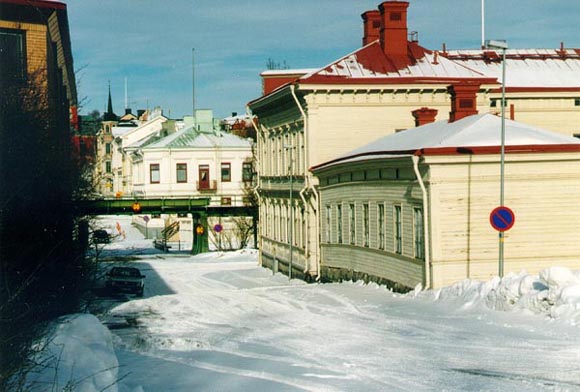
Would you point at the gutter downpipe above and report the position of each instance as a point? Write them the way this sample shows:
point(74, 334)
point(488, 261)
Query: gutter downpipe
point(258, 183)
point(428, 282)
point(306, 178)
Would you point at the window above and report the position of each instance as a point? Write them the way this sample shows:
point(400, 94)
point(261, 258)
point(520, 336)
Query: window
point(226, 172)
point(577, 102)
point(13, 53)
point(181, 172)
point(339, 223)
point(226, 201)
point(381, 225)
point(352, 221)
point(247, 171)
point(154, 173)
point(366, 225)
point(398, 229)
point(107, 148)
point(328, 221)
point(108, 168)
point(419, 233)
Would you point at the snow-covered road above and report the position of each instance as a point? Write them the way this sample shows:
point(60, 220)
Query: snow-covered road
point(219, 322)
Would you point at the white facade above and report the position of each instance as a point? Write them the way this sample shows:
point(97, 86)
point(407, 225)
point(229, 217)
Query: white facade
point(190, 163)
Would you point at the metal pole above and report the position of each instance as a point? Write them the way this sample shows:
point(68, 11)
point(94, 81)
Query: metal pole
point(291, 219)
point(193, 80)
point(502, 162)
point(291, 215)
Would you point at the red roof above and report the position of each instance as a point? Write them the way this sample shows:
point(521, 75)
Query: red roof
point(38, 3)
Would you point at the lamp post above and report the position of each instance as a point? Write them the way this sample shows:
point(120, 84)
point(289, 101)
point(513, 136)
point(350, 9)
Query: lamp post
point(501, 44)
point(289, 148)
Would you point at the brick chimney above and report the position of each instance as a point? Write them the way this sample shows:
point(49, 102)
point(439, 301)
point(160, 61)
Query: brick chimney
point(371, 26)
point(394, 32)
point(424, 116)
point(463, 100)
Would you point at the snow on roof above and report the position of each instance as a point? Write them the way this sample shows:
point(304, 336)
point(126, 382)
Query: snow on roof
point(371, 62)
point(526, 67)
point(286, 72)
point(192, 138)
point(482, 130)
point(120, 131)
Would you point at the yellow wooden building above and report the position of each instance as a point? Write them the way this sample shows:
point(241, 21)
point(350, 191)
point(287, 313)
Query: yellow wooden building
point(390, 84)
point(414, 207)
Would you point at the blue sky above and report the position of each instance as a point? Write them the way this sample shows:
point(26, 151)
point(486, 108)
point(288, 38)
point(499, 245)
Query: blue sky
point(150, 42)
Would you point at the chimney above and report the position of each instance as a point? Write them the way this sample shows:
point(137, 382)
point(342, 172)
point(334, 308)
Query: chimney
point(463, 100)
point(424, 116)
point(127, 110)
point(394, 32)
point(371, 26)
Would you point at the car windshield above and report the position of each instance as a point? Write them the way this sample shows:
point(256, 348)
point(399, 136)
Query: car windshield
point(130, 272)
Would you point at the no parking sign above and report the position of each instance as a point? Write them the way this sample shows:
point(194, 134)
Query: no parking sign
point(502, 218)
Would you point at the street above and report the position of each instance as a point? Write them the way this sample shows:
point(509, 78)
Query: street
point(218, 321)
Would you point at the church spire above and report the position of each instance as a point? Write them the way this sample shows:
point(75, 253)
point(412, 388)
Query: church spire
point(110, 115)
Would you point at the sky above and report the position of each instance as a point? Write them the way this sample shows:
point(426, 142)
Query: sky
point(219, 322)
point(153, 44)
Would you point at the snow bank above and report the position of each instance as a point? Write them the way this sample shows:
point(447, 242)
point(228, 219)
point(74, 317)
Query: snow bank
point(77, 355)
point(554, 292)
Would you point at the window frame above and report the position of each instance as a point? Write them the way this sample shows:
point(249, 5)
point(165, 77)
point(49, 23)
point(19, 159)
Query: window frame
point(247, 171)
point(366, 225)
point(352, 223)
point(327, 232)
point(181, 168)
point(21, 73)
point(228, 167)
point(398, 228)
point(418, 233)
point(381, 226)
point(154, 168)
point(339, 237)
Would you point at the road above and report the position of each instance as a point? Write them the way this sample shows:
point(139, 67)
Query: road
point(220, 322)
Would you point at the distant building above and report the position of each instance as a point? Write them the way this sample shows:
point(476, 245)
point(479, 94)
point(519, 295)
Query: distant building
point(307, 117)
point(240, 125)
point(193, 163)
point(413, 208)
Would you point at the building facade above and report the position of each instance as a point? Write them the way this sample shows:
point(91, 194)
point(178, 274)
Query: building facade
point(414, 208)
point(389, 85)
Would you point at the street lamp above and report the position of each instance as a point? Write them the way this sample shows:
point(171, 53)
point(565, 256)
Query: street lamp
point(501, 44)
point(289, 147)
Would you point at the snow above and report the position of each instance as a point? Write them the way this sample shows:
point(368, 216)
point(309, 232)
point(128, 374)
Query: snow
point(218, 321)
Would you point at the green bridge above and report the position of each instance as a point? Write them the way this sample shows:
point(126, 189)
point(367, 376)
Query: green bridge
point(199, 209)
point(130, 206)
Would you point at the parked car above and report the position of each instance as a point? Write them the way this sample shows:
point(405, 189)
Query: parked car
point(101, 236)
point(126, 279)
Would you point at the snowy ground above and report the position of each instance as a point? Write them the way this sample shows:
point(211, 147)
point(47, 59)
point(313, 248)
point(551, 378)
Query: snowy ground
point(219, 322)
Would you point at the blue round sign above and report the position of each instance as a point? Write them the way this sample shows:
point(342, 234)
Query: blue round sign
point(218, 228)
point(502, 218)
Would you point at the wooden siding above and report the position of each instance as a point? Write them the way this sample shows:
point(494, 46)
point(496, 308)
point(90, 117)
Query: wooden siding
point(381, 263)
point(543, 191)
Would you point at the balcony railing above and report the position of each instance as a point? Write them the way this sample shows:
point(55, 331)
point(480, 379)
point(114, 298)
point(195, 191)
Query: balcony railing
point(206, 186)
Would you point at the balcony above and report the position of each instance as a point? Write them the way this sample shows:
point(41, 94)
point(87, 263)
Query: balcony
point(206, 186)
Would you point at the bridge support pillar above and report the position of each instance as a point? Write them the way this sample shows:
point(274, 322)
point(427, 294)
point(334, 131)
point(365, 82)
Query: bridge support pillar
point(200, 236)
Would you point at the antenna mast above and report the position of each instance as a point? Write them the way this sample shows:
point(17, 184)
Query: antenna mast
point(193, 79)
point(126, 96)
point(482, 24)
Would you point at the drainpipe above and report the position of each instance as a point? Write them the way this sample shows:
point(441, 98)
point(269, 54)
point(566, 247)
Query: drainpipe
point(428, 282)
point(304, 172)
point(255, 188)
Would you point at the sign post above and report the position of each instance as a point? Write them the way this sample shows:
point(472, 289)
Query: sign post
point(502, 219)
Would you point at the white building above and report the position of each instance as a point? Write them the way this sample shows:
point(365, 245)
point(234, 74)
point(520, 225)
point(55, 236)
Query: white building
point(194, 163)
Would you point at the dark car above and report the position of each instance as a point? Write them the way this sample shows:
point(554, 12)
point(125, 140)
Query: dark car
point(101, 237)
point(126, 279)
